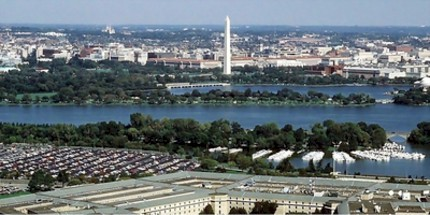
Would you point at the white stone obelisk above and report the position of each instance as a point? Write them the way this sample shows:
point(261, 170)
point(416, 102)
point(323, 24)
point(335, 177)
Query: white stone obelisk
point(227, 52)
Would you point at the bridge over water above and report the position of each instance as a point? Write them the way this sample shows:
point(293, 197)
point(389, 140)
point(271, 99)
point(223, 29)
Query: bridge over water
point(397, 134)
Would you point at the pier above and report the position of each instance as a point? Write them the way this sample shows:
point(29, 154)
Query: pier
point(196, 85)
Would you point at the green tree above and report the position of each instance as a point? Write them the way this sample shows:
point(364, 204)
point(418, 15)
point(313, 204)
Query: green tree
point(378, 137)
point(392, 180)
point(208, 164)
point(32, 59)
point(237, 210)
point(37, 99)
point(40, 181)
point(421, 135)
point(26, 99)
point(243, 162)
point(328, 168)
point(207, 210)
point(264, 207)
point(195, 93)
point(285, 166)
point(63, 177)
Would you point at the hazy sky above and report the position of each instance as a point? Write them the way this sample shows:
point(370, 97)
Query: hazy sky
point(260, 12)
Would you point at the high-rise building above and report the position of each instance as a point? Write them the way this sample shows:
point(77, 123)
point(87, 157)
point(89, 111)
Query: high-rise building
point(227, 52)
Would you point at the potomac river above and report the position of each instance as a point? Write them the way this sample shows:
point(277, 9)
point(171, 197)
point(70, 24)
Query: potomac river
point(390, 116)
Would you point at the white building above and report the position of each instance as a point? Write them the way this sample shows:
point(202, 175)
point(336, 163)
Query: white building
point(392, 73)
point(364, 58)
point(392, 57)
point(109, 30)
point(284, 63)
point(417, 71)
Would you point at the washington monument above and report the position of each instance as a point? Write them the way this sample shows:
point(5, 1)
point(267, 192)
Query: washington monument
point(227, 53)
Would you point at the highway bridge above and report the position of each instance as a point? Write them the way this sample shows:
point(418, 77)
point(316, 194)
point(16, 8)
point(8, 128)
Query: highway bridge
point(195, 85)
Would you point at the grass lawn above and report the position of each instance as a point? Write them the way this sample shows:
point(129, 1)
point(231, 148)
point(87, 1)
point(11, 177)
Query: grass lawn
point(33, 95)
point(235, 171)
point(20, 193)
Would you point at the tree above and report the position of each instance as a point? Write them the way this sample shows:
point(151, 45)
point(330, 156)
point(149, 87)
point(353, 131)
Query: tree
point(235, 210)
point(208, 210)
point(63, 177)
point(264, 207)
point(392, 180)
point(37, 99)
point(65, 94)
point(139, 120)
point(26, 99)
point(243, 162)
point(266, 130)
point(40, 181)
point(287, 128)
point(208, 164)
point(248, 92)
point(300, 135)
point(285, 166)
point(378, 137)
point(328, 168)
point(32, 59)
point(261, 163)
point(195, 93)
point(421, 135)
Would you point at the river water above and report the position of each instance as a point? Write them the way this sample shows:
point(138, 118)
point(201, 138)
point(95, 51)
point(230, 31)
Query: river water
point(390, 116)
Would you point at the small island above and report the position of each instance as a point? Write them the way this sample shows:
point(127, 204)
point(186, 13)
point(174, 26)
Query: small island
point(248, 97)
point(282, 97)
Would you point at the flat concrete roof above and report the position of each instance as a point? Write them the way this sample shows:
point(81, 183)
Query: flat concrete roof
point(188, 192)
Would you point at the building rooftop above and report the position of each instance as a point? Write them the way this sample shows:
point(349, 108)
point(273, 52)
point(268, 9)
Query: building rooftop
point(367, 207)
point(134, 195)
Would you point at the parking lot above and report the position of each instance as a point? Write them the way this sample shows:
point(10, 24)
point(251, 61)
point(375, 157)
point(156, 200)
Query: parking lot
point(90, 162)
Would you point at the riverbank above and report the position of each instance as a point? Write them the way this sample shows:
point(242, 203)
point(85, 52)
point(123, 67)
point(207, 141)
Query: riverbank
point(284, 96)
point(322, 85)
point(232, 103)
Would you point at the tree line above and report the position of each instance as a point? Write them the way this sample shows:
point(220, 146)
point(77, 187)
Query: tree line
point(104, 81)
point(420, 135)
point(175, 135)
point(281, 96)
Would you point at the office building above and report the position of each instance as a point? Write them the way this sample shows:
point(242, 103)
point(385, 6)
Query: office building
point(190, 192)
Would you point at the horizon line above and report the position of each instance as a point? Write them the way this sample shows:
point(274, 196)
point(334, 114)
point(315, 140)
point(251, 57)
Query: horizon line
point(258, 25)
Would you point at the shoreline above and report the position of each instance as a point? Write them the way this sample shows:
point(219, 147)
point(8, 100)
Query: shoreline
point(228, 102)
point(193, 104)
point(322, 85)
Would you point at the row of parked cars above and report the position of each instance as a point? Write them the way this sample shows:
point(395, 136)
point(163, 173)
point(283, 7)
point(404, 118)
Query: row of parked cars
point(90, 162)
point(9, 189)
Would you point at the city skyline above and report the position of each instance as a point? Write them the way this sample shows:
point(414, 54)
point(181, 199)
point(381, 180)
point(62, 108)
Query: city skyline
point(194, 12)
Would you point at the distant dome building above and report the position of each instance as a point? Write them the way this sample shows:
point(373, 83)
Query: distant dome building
point(425, 82)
